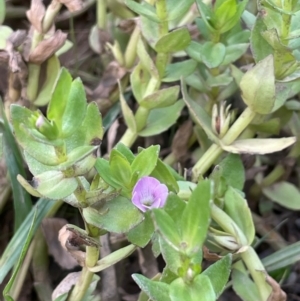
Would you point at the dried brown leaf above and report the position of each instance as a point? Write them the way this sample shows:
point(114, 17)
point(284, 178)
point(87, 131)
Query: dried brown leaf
point(66, 239)
point(66, 284)
point(180, 141)
point(72, 5)
point(47, 48)
point(51, 227)
point(111, 135)
point(109, 81)
point(127, 25)
point(210, 256)
point(36, 14)
point(277, 293)
point(17, 38)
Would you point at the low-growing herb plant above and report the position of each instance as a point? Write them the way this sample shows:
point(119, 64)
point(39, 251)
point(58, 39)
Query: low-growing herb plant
point(179, 56)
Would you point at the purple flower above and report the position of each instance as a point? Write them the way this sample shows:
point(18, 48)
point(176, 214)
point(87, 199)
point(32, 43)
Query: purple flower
point(149, 193)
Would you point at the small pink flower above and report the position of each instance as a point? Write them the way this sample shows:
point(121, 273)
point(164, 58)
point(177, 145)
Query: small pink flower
point(149, 193)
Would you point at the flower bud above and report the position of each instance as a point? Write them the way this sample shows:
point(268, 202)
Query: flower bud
point(221, 119)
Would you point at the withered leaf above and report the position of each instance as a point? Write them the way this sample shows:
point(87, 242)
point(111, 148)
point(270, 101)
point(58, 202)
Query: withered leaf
point(47, 47)
point(277, 293)
point(210, 256)
point(64, 237)
point(65, 285)
point(17, 38)
point(72, 5)
point(36, 14)
point(51, 227)
point(180, 141)
point(108, 83)
point(72, 239)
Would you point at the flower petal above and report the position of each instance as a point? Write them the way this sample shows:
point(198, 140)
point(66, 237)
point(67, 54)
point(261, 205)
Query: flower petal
point(149, 193)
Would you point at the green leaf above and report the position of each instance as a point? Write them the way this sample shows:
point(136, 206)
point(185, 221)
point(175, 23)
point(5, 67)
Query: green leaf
point(161, 98)
point(120, 169)
point(14, 162)
point(178, 8)
point(213, 54)
point(271, 126)
point(13, 250)
point(177, 70)
point(139, 79)
point(234, 52)
point(201, 286)
point(259, 146)
point(244, 286)
point(258, 86)
point(162, 173)
point(145, 59)
point(21, 259)
point(2, 11)
point(174, 41)
point(53, 184)
point(125, 151)
point(118, 215)
point(143, 9)
point(127, 113)
point(172, 257)
point(174, 206)
point(5, 32)
point(206, 14)
point(52, 71)
point(41, 151)
point(160, 120)
point(260, 47)
point(142, 233)
point(224, 12)
point(195, 218)
point(194, 51)
point(219, 273)
point(232, 14)
point(284, 193)
point(282, 258)
point(90, 131)
point(232, 170)
point(237, 208)
point(102, 167)
point(145, 161)
point(167, 228)
point(156, 290)
point(75, 108)
point(59, 97)
point(112, 258)
point(198, 113)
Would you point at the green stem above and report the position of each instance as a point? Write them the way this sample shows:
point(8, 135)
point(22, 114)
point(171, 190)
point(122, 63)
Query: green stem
point(101, 14)
point(51, 13)
point(86, 276)
point(82, 285)
point(128, 138)
point(212, 154)
point(257, 272)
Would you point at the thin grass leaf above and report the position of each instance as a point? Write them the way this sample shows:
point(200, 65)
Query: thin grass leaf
point(13, 250)
point(26, 245)
point(282, 258)
point(14, 163)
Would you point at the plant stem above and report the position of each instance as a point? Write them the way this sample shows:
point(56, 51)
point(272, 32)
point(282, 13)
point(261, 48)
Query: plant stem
point(101, 14)
point(86, 276)
point(257, 272)
point(128, 138)
point(212, 154)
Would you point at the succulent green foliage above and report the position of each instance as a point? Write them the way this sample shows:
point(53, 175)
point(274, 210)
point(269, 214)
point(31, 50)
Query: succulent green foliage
point(61, 146)
point(120, 210)
point(237, 208)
